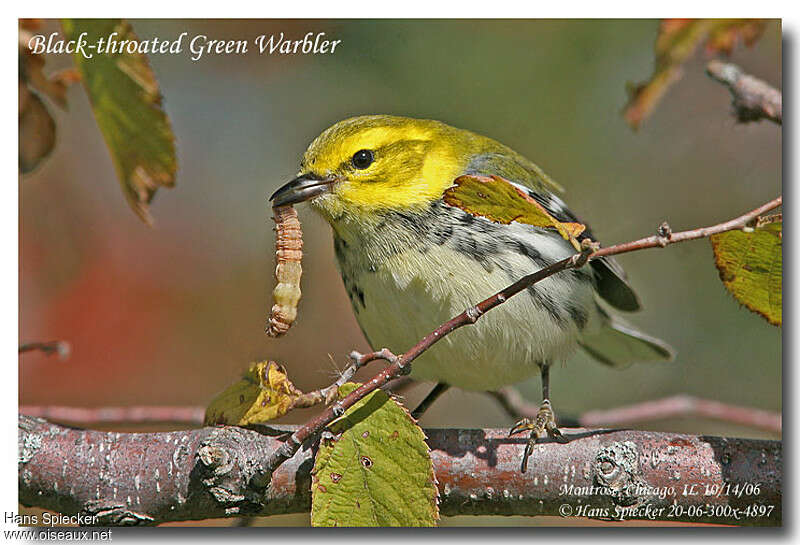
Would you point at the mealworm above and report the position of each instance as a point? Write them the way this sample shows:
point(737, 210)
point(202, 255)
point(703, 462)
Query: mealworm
point(288, 253)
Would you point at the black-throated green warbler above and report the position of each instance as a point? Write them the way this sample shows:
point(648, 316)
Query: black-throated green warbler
point(410, 262)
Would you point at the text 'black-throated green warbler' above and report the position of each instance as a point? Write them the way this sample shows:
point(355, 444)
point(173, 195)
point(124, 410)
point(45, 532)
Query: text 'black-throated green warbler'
point(410, 262)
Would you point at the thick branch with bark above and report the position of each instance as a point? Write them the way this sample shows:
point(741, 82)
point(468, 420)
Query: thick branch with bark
point(150, 478)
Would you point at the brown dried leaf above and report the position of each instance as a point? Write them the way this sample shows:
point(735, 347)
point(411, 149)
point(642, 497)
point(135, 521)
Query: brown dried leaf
point(37, 128)
point(725, 36)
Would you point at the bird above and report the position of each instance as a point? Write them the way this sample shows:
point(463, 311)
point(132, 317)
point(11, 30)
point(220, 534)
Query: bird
point(409, 261)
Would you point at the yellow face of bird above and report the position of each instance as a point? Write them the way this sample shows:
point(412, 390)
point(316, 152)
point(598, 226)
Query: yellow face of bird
point(365, 165)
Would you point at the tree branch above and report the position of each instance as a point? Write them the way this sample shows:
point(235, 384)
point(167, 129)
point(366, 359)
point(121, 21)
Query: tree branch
point(401, 365)
point(670, 407)
point(665, 236)
point(682, 406)
point(62, 348)
point(150, 478)
point(143, 414)
point(153, 414)
point(753, 99)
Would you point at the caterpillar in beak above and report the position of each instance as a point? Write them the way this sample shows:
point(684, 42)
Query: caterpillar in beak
point(288, 254)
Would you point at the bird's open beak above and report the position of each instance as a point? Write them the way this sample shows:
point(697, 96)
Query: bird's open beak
point(301, 189)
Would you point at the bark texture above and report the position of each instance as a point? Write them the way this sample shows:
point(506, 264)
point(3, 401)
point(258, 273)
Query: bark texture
point(149, 478)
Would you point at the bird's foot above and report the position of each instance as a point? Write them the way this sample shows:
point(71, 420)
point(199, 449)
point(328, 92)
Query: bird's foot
point(543, 424)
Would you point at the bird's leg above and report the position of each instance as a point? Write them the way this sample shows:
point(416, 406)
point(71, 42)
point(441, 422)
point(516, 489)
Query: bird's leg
point(434, 394)
point(545, 421)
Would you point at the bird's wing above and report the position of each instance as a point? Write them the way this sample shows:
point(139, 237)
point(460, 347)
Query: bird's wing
point(612, 282)
point(619, 344)
point(513, 167)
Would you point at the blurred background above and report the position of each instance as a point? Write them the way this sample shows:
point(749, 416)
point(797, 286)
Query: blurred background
point(172, 315)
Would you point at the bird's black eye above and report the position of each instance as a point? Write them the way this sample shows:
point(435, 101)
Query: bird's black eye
point(362, 159)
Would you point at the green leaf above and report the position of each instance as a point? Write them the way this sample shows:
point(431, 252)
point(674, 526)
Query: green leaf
point(497, 199)
point(263, 393)
point(127, 106)
point(750, 265)
point(375, 470)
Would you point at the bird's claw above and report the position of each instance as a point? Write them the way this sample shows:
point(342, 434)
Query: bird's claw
point(543, 424)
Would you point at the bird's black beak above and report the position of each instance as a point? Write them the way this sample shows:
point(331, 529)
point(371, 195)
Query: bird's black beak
point(301, 189)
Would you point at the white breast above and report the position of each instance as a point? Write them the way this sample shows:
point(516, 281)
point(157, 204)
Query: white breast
point(407, 294)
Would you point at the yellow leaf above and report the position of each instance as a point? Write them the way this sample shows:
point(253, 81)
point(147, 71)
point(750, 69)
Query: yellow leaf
point(750, 265)
point(263, 393)
point(499, 200)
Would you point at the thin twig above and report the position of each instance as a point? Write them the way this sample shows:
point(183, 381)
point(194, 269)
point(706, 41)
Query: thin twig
point(153, 414)
point(683, 406)
point(512, 402)
point(665, 237)
point(753, 99)
point(62, 348)
point(509, 399)
point(677, 406)
point(401, 365)
point(328, 394)
point(188, 415)
point(117, 415)
point(315, 425)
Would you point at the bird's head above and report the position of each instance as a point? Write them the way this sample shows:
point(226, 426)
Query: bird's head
point(364, 166)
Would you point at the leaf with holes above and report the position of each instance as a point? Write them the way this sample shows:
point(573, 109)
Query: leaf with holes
point(374, 468)
point(497, 199)
point(127, 106)
point(263, 393)
point(750, 265)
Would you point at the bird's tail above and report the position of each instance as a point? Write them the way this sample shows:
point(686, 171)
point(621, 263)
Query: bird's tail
point(618, 344)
